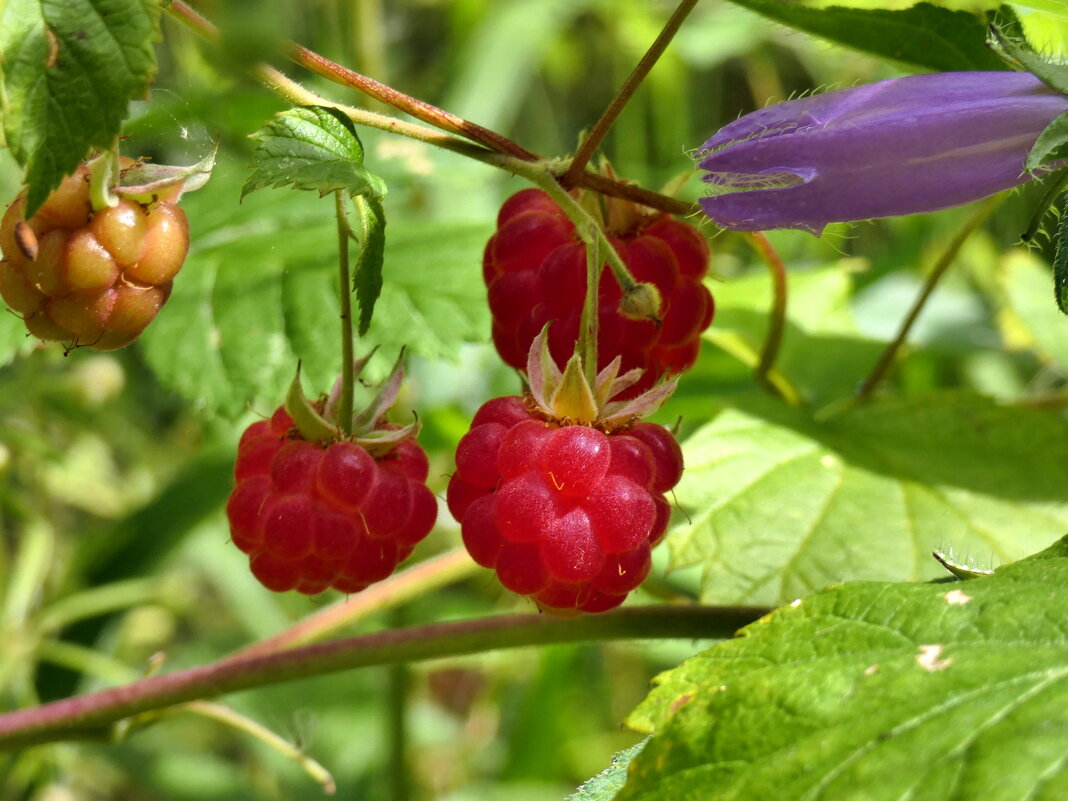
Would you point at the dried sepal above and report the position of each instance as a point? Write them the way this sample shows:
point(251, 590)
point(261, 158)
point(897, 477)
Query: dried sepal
point(313, 427)
point(641, 406)
point(387, 395)
point(543, 375)
point(567, 396)
point(145, 181)
point(381, 441)
point(330, 409)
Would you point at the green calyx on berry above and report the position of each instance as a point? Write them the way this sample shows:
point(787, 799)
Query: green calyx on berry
point(318, 422)
point(567, 397)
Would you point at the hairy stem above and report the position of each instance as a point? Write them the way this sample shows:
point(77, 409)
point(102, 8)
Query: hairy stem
point(93, 713)
point(1055, 186)
point(600, 129)
point(285, 87)
point(777, 316)
point(344, 406)
point(890, 353)
point(419, 109)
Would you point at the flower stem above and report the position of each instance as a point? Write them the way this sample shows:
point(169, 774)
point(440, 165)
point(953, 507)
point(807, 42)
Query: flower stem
point(890, 353)
point(777, 317)
point(91, 714)
point(626, 91)
point(344, 406)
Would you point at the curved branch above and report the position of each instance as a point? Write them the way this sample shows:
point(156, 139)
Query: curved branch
point(93, 713)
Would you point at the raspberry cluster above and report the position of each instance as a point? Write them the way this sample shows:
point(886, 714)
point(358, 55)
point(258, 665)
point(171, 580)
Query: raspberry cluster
point(534, 267)
point(312, 517)
point(90, 278)
point(565, 514)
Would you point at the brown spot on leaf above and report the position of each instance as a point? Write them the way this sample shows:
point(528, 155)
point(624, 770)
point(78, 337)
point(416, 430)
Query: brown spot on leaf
point(53, 49)
point(680, 702)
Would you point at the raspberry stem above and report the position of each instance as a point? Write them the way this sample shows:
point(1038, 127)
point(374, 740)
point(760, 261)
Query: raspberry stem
point(600, 129)
point(289, 89)
point(344, 406)
point(588, 229)
point(92, 714)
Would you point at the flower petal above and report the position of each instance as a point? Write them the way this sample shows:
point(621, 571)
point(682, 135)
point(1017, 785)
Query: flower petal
point(902, 146)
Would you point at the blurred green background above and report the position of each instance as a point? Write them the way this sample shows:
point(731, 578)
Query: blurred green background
point(114, 468)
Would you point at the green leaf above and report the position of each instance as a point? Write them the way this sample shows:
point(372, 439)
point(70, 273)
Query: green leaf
point(259, 291)
point(1060, 264)
point(1051, 145)
point(433, 298)
point(605, 785)
point(70, 68)
point(783, 504)
point(925, 35)
point(314, 148)
point(367, 279)
point(1019, 53)
point(874, 691)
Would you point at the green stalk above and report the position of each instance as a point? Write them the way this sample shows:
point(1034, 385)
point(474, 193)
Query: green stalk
point(890, 353)
point(93, 714)
point(344, 408)
point(235, 720)
point(588, 325)
point(97, 601)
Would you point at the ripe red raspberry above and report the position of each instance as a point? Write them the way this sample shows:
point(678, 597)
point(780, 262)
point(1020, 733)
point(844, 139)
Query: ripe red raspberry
point(95, 279)
point(564, 513)
point(534, 267)
point(314, 516)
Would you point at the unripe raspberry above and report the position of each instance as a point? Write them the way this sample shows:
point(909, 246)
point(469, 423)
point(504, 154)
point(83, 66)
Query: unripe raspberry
point(565, 514)
point(93, 279)
point(534, 267)
point(311, 516)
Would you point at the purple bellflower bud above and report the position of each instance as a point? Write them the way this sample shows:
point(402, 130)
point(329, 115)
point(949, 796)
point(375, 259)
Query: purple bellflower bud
point(902, 146)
